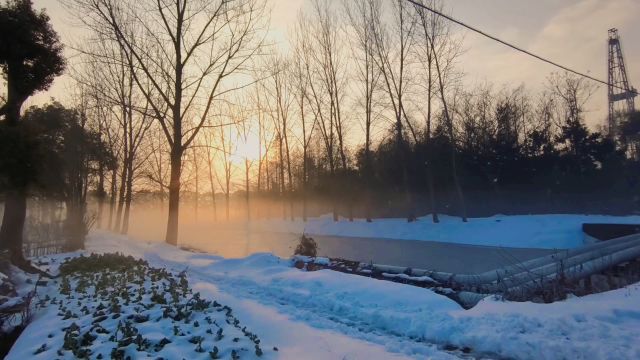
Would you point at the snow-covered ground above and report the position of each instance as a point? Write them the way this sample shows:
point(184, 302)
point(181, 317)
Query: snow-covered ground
point(330, 315)
point(558, 231)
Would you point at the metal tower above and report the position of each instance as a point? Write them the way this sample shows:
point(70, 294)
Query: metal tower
point(619, 89)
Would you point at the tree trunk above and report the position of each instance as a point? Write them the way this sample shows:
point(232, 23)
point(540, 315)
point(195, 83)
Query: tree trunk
point(332, 192)
point(431, 188)
point(430, 167)
point(289, 176)
point(304, 183)
point(121, 196)
point(11, 231)
point(368, 173)
point(454, 168)
point(101, 195)
point(112, 200)
point(174, 196)
point(227, 193)
point(367, 139)
point(367, 188)
point(226, 203)
point(402, 157)
point(128, 198)
point(75, 226)
point(211, 184)
point(171, 236)
point(282, 182)
point(267, 175)
point(15, 206)
point(246, 178)
point(197, 192)
point(259, 185)
point(350, 197)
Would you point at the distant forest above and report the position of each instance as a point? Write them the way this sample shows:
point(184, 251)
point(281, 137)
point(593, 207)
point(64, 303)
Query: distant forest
point(511, 158)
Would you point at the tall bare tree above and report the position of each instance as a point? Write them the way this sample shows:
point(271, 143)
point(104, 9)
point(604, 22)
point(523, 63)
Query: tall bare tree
point(195, 161)
point(242, 117)
point(450, 132)
point(107, 74)
point(434, 29)
point(157, 172)
point(209, 140)
point(277, 90)
point(393, 46)
point(227, 141)
point(301, 85)
point(185, 50)
point(319, 46)
point(360, 15)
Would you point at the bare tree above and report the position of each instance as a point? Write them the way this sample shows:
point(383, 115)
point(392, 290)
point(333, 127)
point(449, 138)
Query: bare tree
point(301, 85)
point(450, 132)
point(101, 115)
point(360, 15)
point(156, 171)
point(393, 51)
point(434, 29)
point(195, 161)
point(210, 149)
point(320, 50)
point(185, 50)
point(242, 119)
point(136, 129)
point(277, 91)
point(227, 145)
point(571, 93)
point(109, 76)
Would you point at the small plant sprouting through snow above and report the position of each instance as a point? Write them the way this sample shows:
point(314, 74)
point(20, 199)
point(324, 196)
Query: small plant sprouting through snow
point(119, 307)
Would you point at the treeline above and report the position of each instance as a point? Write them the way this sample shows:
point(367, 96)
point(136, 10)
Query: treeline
point(511, 158)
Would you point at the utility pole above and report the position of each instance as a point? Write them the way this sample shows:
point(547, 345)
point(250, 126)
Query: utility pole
point(619, 88)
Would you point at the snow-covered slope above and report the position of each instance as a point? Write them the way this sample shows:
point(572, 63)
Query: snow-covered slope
point(329, 315)
point(521, 231)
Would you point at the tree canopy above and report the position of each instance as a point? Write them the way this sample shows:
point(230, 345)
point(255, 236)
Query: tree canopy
point(30, 54)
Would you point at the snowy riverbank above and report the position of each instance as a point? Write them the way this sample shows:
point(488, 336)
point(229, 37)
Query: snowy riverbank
point(329, 315)
point(554, 231)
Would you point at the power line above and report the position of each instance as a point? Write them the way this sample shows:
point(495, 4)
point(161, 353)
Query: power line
point(517, 48)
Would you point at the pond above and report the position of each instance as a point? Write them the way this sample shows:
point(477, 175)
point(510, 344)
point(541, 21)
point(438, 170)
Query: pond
point(240, 239)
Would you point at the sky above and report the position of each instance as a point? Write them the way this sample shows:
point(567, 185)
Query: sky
point(570, 32)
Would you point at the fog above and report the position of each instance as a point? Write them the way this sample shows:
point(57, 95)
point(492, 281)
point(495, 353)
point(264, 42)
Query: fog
point(269, 229)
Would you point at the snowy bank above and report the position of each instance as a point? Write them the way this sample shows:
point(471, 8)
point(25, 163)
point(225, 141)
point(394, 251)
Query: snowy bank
point(520, 231)
point(330, 315)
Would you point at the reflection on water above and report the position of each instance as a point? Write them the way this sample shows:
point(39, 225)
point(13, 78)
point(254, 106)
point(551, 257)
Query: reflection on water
point(232, 239)
point(238, 240)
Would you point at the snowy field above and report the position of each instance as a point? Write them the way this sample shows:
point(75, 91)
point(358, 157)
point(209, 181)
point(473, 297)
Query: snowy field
point(520, 231)
point(330, 315)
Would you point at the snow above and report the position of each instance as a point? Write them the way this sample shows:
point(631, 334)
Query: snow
point(294, 338)
point(555, 231)
point(598, 326)
point(407, 277)
point(331, 315)
point(210, 329)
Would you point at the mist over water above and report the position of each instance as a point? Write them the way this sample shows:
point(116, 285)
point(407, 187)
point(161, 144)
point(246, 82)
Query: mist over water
point(269, 229)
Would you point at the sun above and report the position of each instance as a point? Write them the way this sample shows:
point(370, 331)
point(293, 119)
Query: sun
point(247, 149)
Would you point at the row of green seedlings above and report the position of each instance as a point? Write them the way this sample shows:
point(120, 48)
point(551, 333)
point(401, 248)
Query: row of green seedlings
point(113, 281)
